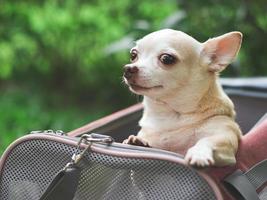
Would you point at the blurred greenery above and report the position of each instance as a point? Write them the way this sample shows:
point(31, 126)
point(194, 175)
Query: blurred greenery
point(61, 61)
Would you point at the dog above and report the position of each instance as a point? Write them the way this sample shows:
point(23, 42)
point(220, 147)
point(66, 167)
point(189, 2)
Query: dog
point(185, 108)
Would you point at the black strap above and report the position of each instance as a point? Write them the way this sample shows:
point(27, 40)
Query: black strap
point(64, 185)
point(246, 184)
point(240, 186)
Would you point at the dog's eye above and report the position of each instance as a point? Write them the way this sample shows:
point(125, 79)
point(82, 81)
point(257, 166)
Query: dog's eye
point(167, 59)
point(133, 55)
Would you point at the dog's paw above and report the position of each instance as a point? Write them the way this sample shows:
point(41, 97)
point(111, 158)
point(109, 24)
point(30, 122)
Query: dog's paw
point(200, 156)
point(135, 140)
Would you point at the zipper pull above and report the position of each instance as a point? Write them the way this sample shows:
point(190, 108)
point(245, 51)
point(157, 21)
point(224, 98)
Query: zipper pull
point(49, 131)
point(60, 132)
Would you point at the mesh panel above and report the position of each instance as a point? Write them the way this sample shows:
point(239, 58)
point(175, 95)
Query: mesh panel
point(32, 165)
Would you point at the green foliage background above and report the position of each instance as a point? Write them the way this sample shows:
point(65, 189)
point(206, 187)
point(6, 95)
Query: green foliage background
point(61, 61)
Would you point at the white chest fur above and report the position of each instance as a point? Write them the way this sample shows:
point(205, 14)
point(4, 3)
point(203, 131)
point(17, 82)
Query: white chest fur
point(159, 117)
point(165, 128)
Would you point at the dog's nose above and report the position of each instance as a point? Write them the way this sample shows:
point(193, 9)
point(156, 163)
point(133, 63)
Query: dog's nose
point(130, 71)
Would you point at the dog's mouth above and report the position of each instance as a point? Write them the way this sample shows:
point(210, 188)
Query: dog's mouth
point(138, 88)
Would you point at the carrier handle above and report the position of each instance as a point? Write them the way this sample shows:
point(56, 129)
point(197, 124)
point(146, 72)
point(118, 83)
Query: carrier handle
point(247, 183)
point(238, 184)
point(64, 185)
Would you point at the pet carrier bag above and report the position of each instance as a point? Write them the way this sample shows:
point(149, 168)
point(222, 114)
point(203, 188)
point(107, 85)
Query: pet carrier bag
point(32, 166)
point(49, 165)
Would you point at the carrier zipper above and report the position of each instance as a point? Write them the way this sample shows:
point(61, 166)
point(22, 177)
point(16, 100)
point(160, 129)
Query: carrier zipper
point(98, 138)
point(49, 131)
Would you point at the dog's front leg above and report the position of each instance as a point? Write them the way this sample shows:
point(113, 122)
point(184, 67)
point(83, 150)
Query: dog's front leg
point(201, 154)
point(213, 150)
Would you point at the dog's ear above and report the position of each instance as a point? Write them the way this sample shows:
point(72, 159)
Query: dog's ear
point(220, 51)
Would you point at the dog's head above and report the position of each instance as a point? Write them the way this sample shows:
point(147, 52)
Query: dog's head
point(167, 60)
